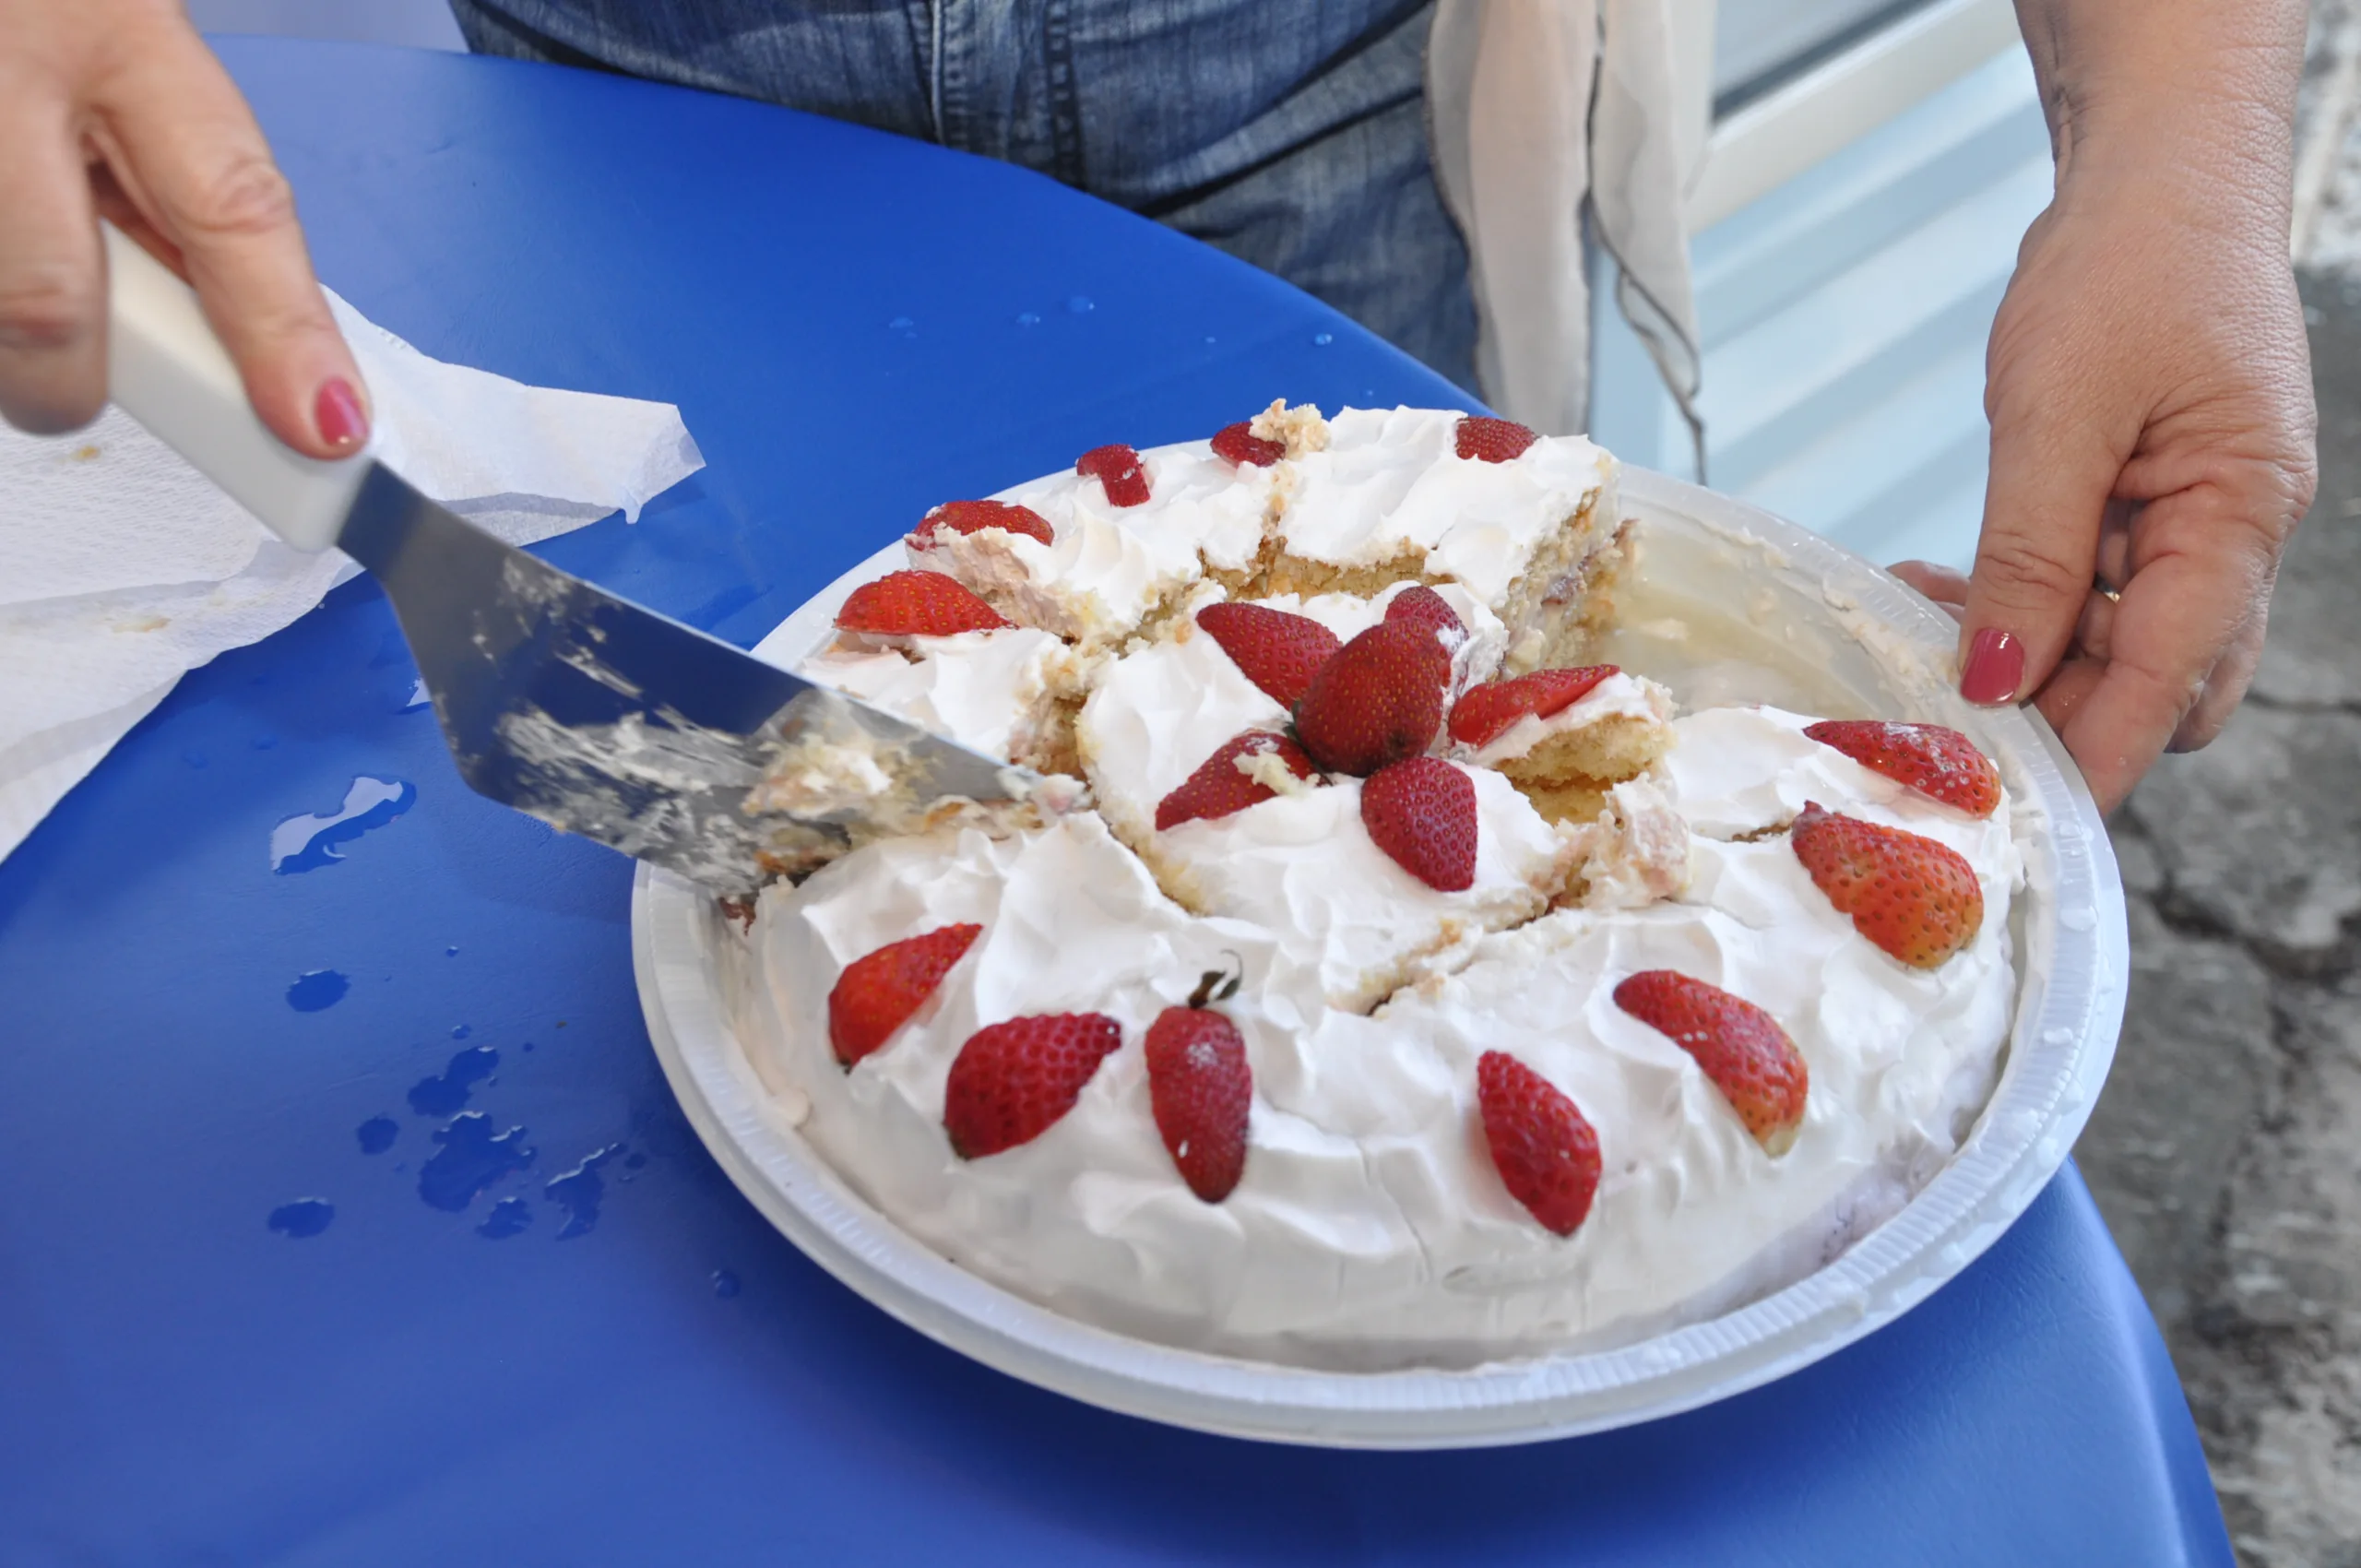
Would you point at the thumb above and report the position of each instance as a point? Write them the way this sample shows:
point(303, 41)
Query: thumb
point(2043, 507)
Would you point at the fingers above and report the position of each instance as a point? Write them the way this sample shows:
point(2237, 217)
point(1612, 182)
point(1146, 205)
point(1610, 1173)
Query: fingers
point(52, 312)
point(2224, 688)
point(2051, 479)
point(2068, 688)
point(2197, 582)
point(192, 160)
point(2114, 541)
point(1945, 586)
point(2095, 633)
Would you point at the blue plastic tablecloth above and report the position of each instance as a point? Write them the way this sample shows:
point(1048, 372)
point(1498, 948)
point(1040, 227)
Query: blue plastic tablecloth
point(344, 1215)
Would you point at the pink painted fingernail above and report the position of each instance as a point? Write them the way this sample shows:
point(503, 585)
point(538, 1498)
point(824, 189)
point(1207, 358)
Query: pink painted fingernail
point(1996, 665)
point(337, 412)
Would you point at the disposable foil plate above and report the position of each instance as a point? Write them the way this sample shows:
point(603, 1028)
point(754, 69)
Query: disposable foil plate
point(1731, 603)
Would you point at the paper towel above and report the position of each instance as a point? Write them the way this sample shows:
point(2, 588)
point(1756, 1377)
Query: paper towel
point(122, 567)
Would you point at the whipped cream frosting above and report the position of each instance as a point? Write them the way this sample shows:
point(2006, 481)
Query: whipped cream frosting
point(1390, 484)
point(986, 690)
point(1107, 567)
point(1303, 864)
point(1303, 867)
point(1370, 1230)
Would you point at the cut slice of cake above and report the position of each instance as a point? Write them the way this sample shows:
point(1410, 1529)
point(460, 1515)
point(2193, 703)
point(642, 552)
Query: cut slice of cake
point(1303, 864)
point(1010, 692)
point(1107, 570)
point(1389, 497)
point(1302, 860)
point(1565, 755)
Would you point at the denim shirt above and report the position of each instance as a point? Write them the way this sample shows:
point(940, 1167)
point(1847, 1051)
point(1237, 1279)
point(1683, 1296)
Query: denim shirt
point(1290, 133)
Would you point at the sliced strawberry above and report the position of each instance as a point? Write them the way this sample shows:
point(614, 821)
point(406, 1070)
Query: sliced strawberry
point(1012, 1081)
point(973, 517)
point(1221, 788)
point(1379, 700)
point(878, 992)
point(1934, 761)
point(1201, 1089)
point(1276, 650)
point(1117, 469)
point(1493, 441)
point(922, 604)
point(1738, 1045)
point(1421, 811)
point(1541, 1144)
point(1485, 713)
point(1242, 446)
point(1422, 606)
point(1916, 898)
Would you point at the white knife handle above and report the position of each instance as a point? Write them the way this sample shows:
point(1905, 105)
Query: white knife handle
point(167, 369)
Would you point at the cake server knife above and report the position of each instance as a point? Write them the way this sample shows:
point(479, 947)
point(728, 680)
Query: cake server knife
point(556, 697)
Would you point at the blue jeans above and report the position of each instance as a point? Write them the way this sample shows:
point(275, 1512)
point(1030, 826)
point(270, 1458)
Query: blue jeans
point(1290, 133)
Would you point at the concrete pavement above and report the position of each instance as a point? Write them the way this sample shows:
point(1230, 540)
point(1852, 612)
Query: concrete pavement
point(2226, 1151)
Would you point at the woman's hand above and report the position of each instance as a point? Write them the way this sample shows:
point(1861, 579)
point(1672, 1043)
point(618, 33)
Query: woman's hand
point(117, 107)
point(2149, 386)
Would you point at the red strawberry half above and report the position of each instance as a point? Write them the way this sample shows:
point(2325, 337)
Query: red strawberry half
point(1220, 787)
point(1242, 446)
point(1379, 700)
point(1119, 469)
point(1422, 606)
point(1011, 1082)
point(972, 517)
point(1916, 898)
point(1278, 651)
point(1934, 761)
point(878, 992)
point(921, 604)
point(1543, 1149)
point(1422, 812)
point(1485, 713)
point(1738, 1045)
point(1493, 441)
point(1201, 1088)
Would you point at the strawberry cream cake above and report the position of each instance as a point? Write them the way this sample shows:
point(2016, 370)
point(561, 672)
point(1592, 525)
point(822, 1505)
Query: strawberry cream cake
point(1411, 992)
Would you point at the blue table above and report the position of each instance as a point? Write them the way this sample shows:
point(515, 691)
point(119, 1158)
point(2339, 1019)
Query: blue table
point(279, 1285)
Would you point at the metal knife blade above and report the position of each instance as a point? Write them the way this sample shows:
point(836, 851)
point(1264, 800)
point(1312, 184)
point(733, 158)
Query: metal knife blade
point(594, 714)
point(607, 719)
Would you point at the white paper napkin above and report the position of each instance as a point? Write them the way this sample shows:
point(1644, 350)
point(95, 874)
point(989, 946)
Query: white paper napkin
point(122, 567)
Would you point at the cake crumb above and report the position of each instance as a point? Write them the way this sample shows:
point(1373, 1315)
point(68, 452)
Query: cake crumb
point(1268, 768)
point(1634, 854)
point(1302, 428)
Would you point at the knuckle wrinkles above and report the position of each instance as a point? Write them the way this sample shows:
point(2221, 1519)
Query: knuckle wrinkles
point(45, 309)
point(2019, 566)
point(245, 195)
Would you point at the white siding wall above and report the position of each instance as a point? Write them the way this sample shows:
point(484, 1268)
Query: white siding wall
point(1843, 316)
